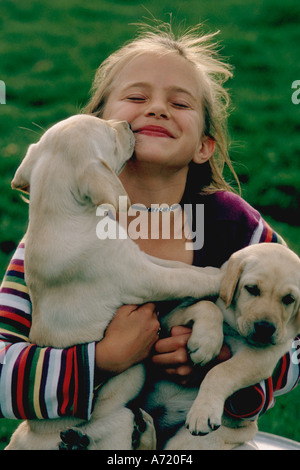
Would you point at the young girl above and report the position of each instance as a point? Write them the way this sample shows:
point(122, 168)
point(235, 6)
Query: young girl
point(171, 92)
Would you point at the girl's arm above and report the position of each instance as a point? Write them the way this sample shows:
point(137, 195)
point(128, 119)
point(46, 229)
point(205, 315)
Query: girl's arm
point(38, 382)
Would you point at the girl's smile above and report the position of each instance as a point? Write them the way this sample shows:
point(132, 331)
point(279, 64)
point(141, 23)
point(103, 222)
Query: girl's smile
point(155, 131)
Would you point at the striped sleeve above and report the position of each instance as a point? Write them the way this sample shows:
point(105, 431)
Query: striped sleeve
point(263, 233)
point(254, 401)
point(38, 382)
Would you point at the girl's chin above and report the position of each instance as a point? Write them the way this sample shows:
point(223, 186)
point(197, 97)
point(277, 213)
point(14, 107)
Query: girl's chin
point(149, 160)
point(153, 155)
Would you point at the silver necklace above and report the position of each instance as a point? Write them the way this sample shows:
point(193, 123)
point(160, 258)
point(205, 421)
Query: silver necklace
point(171, 208)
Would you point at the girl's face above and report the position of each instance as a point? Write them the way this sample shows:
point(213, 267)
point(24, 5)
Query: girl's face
point(160, 97)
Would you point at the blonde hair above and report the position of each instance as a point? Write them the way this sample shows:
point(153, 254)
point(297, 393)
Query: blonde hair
point(201, 51)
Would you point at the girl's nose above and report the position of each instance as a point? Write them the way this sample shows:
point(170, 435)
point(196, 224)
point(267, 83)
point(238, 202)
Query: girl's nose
point(157, 109)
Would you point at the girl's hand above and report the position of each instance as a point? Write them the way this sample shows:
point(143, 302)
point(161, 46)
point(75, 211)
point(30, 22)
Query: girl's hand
point(128, 339)
point(173, 356)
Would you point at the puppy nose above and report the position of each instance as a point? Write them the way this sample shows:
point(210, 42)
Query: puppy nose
point(263, 331)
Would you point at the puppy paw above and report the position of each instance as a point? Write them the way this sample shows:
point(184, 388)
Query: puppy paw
point(203, 419)
point(73, 439)
point(203, 348)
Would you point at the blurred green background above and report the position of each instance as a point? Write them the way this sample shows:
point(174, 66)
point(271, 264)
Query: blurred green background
point(49, 52)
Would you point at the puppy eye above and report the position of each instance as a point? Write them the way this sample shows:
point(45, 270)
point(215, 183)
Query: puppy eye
point(288, 299)
point(253, 290)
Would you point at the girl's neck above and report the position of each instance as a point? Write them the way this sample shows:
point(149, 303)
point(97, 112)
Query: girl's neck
point(148, 185)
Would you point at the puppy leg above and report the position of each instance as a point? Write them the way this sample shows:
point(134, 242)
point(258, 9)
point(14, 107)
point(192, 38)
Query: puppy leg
point(113, 432)
point(244, 369)
point(178, 283)
point(124, 432)
point(223, 439)
point(25, 439)
point(207, 332)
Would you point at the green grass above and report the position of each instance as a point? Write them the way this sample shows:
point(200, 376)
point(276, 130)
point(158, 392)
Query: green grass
point(50, 50)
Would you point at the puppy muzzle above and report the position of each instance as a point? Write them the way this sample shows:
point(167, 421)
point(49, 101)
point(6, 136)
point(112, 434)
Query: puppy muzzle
point(262, 333)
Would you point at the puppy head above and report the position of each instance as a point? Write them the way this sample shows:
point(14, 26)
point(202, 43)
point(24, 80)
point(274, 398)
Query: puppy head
point(111, 144)
point(262, 286)
point(124, 143)
point(83, 155)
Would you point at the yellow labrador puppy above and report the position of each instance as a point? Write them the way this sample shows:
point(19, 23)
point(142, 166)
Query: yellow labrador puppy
point(259, 304)
point(75, 278)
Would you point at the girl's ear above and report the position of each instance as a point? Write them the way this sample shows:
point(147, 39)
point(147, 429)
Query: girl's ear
point(205, 151)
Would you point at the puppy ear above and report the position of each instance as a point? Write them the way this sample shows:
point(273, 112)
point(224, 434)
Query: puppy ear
point(234, 269)
point(21, 180)
point(101, 185)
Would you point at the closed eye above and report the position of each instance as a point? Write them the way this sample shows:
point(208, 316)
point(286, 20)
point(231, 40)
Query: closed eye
point(288, 299)
point(181, 105)
point(136, 99)
point(253, 290)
